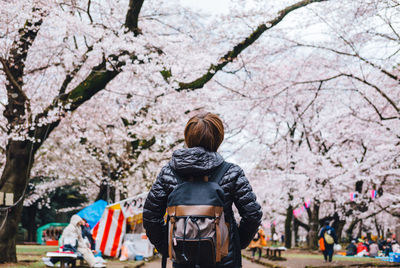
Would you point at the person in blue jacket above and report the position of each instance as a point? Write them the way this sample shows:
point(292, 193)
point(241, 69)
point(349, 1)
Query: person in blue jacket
point(329, 235)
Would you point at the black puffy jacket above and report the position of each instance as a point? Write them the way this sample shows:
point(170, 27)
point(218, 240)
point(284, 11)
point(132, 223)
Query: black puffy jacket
point(237, 190)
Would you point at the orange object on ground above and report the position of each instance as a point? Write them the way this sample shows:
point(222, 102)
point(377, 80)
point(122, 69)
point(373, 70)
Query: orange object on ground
point(52, 243)
point(321, 244)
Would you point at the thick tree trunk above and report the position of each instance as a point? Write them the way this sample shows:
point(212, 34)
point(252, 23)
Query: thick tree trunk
point(296, 232)
point(349, 231)
point(338, 225)
point(14, 180)
point(30, 225)
point(339, 230)
point(378, 229)
point(288, 227)
point(360, 228)
point(314, 227)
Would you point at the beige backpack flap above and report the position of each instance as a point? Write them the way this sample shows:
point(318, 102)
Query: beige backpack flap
point(171, 213)
point(224, 227)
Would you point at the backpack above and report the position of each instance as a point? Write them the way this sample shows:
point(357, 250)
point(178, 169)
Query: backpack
point(198, 234)
point(328, 238)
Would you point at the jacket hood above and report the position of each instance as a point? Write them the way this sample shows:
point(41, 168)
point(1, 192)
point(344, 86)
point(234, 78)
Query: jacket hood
point(75, 219)
point(195, 161)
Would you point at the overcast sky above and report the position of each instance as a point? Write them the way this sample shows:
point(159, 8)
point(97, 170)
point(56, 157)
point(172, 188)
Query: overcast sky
point(215, 6)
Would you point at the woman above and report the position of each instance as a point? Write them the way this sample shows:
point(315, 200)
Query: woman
point(258, 243)
point(203, 135)
point(72, 240)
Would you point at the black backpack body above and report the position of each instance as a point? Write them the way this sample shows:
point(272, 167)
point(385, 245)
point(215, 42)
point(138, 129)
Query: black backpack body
point(198, 234)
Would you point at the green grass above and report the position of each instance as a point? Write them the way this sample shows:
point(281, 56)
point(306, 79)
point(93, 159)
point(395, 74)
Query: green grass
point(31, 256)
point(336, 257)
point(35, 249)
point(28, 264)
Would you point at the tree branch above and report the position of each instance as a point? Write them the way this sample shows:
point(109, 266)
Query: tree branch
point(302, 224)
point(94, 82)
point(88, 11)
point(231, 55)
point(312, 101)
point(393, 213)
point(362, 80)
point(383, 94)
point(38, 69)
point(355, 55)
point(381, 117)
point(69, 77)
point(11, 79)
point(14, 69)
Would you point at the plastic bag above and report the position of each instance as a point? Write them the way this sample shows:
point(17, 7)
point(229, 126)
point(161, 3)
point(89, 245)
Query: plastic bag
point(337, 247)
point(321, 244)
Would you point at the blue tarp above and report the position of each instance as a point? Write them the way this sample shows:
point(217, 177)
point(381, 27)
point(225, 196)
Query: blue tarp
point(93, 213)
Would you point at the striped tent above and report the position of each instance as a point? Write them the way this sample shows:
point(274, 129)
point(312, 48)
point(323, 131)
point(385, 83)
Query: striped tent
point(111, 228)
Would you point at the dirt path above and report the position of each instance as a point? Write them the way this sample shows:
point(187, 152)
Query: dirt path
point(157, 264)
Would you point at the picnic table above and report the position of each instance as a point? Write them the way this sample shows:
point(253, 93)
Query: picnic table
point(65, 258)
point(274, 253)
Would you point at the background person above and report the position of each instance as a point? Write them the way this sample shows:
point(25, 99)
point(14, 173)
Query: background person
point(388, 247)
point(395, 246)
point(329, 236)
point(72, 240)
point(373, 249)
point(258, 243)
point(87, 234)
point(351, 249)
point(361, 248)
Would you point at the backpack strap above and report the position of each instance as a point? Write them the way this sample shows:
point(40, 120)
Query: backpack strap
point(220, 172)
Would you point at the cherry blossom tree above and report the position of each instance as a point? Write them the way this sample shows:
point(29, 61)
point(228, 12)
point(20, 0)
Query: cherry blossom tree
point(329, 122)
point(56, 56)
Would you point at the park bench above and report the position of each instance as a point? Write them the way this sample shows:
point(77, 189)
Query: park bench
point(65, 258)
point(274, 253)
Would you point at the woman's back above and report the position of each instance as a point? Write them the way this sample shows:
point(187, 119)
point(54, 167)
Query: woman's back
point(198, 161)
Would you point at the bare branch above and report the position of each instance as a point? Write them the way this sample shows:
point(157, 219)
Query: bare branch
point(231, 89)
point(383, 94)
point(394, 213)
point(381, 117)
point(313, 100)
point(88, 11)
point(42, 68)
point(356, 55)
point(362, 80)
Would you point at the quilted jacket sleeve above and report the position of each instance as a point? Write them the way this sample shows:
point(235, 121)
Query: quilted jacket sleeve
point(248, 207)
point(153, 214)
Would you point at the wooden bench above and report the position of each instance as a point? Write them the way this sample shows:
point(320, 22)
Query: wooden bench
point(274, 253)
point(65, 258)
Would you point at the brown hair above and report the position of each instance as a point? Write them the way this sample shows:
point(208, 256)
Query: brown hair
point(204, 130)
